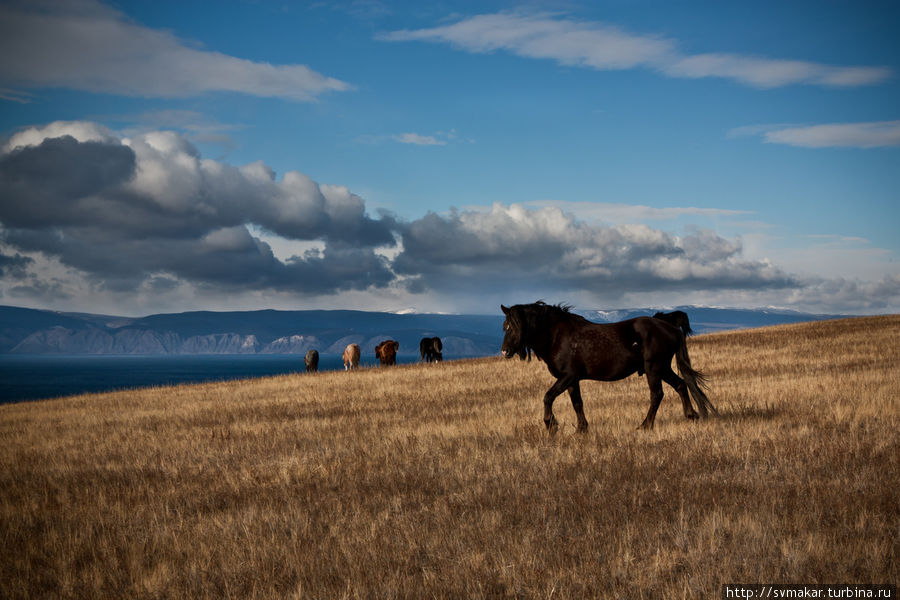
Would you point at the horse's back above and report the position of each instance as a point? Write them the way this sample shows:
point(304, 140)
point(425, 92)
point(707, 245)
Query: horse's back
point(599, 351)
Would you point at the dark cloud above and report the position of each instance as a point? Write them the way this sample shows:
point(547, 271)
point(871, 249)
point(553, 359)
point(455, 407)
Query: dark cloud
point(63, 182)
point(15, 266)
point(125, 212)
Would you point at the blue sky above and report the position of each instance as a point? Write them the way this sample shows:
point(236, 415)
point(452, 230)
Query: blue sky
point(449, 156)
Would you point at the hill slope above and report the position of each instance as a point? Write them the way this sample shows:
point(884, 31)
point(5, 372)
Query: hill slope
point(440, 481)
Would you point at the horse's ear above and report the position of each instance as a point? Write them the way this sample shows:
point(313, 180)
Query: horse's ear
point(504, 309)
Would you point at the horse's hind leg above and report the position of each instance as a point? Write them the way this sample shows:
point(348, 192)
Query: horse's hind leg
point(575, 395)
point(680, 386)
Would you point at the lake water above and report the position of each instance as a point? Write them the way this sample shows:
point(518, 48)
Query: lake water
point(36, 377)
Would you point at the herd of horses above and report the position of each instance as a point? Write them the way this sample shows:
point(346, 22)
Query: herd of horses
point(430, 351)
point(575, 349)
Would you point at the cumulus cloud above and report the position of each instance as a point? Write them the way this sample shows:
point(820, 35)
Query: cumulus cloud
point(88, 46)
point(847, 295)
point(602, 46)
point(123, 210)
point(529, 250)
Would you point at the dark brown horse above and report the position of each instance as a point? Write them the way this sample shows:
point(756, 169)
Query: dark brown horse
point(574, 349)
point(431, 349)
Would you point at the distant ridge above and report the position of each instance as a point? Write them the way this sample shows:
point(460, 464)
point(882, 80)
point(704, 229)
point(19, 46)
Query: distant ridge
point(32, 331)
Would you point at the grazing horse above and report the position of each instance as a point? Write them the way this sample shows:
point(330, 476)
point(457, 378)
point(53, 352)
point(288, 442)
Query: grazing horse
point(386, 352)
point(312, 361)
point(574, 349)
point(351, 357)
point(679, 319)
point(430, 349)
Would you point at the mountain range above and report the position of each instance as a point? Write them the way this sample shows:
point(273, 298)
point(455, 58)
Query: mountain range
point(32, 331)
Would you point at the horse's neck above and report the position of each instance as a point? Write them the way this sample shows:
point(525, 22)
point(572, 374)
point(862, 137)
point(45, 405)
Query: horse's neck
point(542, 340)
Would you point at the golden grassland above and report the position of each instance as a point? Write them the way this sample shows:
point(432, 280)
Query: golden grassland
point(441, 482)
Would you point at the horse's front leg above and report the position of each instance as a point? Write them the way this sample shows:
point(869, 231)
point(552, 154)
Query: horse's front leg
point(575, 395)
point(555, 390)
point(654, 381)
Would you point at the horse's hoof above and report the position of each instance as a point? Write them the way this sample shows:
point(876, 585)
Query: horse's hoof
point(692, 417)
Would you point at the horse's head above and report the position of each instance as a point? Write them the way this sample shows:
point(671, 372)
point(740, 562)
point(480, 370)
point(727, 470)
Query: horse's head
point(513, 342)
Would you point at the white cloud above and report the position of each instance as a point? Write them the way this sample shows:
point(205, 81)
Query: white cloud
point(836, 135)
point(91, 47)
point(769, 73)
point(605, 47)
point(538, 36)
point(419, 140)
point(82, 131)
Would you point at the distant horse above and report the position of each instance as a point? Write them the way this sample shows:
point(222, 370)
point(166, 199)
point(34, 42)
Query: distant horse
point(312, 361)
point(386, 352)
point(351, 357)
point(430, 349)
point(574, 349)
point(679, 319)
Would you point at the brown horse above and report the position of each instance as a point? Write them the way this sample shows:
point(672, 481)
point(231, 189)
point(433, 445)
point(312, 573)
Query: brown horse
point(351, 357)
point(574, 349)
point(386, 352)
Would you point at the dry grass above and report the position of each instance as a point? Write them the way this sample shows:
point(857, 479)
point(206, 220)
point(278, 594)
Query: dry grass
point(421, 481)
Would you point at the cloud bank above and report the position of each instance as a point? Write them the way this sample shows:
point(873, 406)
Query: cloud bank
point(87, 208)
point(527, 251)
point(605, 47)
point(85, 45)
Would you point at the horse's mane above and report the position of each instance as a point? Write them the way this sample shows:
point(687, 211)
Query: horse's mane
point(529, 317)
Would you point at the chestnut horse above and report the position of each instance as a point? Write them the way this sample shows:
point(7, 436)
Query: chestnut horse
point(574, 349)
point(351, 357)
point(386, 352)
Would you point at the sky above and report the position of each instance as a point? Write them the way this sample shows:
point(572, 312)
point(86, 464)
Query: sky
point(449, 156)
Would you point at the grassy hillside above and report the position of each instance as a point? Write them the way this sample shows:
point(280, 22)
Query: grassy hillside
point(440, 481)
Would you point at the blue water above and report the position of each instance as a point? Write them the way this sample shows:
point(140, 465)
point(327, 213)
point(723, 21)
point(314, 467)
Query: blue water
point(38, 377)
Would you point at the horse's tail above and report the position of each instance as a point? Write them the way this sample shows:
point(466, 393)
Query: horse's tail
point(695, 380)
